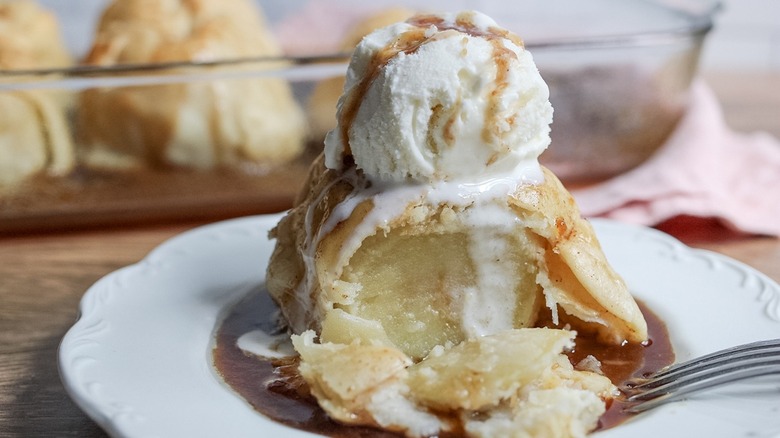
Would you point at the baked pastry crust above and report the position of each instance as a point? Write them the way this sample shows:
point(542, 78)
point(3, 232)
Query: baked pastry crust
point(34, 134)
point(569, 265)
point(514, 383)
point(401, 346)
point(30, 37)
point(230, 122)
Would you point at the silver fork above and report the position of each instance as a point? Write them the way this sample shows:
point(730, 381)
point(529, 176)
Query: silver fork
point(676, 381)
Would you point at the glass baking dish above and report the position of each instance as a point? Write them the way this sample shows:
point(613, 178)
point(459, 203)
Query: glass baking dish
point(112, 144)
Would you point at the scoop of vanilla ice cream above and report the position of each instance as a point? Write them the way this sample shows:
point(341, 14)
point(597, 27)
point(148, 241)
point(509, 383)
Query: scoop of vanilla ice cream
point(440, 98)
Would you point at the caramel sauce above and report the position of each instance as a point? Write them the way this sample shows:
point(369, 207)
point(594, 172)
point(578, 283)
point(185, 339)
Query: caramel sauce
point(408, 42)
point(464, 23)
point(274, 388)
point(622, 363)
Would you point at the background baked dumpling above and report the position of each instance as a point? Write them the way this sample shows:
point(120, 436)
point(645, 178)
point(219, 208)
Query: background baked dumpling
point(197, 124)
point(30, 37)
point(34, 135)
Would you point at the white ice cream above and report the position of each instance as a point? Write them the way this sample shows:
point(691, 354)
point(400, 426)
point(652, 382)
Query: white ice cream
point(441, 98)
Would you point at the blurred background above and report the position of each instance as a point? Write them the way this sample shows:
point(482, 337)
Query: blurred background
point(126, 158)
point(746, 35)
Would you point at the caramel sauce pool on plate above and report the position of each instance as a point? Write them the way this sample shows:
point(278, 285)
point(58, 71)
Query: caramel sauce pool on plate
point(274, 388)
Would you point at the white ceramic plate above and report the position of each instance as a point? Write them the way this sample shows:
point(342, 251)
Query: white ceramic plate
point(138, 360)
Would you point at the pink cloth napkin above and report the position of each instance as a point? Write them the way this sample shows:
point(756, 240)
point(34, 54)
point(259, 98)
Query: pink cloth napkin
point(704, 170)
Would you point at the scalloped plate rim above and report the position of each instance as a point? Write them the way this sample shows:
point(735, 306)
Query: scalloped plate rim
point(608, 231)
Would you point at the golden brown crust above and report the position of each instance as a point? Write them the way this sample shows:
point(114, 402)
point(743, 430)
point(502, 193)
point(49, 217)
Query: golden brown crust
point(144, 31)
point(574, 272)
point(30, 37)
point(287, 269)
point(575, 258)
point(34, 134)
point(197, 124)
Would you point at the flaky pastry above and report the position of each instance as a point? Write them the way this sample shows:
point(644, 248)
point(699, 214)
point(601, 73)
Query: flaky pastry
point(417, 274)
point(34, 134)
point(222, 122)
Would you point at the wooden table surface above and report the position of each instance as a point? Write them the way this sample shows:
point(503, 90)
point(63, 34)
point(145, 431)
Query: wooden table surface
point(43, 276)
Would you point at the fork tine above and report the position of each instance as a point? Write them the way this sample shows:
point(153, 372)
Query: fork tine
point(771, 345)
point(721, 367)
point(707, 376)
point(750, 351)
point(663, 397)
point(722, 364)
